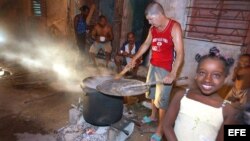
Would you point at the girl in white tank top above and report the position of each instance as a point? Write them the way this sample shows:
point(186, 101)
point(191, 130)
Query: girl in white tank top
point(200, 115)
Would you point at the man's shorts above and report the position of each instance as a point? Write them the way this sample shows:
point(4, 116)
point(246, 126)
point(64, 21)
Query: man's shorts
point(95, 47)
point(159, 92)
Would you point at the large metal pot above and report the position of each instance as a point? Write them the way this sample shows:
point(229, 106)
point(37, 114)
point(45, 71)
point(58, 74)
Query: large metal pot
point(100, 109)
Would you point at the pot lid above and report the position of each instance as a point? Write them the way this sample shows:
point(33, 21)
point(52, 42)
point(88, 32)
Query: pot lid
point(115, 87)
point(93, 81)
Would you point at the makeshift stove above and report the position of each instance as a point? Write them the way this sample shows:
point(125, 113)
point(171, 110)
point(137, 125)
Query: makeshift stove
point(99, 117)
point(80, 130)
point(102, 115)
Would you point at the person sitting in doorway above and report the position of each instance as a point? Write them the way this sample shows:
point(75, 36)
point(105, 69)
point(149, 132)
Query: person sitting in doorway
point(127, 51)
point(102, 35)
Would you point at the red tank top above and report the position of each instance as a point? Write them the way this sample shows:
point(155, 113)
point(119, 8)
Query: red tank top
point(162, 47)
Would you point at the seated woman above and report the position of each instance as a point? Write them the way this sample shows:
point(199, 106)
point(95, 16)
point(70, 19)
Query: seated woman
point(127, 51)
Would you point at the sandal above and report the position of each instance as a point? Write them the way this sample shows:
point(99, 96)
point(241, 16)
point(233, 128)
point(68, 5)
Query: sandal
point(147, 119)
point(155, 137)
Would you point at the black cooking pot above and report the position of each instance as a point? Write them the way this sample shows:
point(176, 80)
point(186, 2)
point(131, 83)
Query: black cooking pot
point(100, 109)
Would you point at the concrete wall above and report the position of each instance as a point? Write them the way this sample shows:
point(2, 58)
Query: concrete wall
point(175, 9)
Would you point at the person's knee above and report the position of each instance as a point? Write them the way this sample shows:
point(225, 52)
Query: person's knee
point(107, 48)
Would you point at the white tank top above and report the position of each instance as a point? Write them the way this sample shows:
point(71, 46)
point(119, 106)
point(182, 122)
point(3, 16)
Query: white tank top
point(128, 59)
point(197, 121)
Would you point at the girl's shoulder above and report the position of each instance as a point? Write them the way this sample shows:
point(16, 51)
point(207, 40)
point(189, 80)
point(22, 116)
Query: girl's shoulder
point(180, 93)
point(176, 98)
point(191, 93)
point(187, 92)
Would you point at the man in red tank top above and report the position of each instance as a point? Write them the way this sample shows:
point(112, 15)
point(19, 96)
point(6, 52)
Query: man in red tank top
point(165, 39)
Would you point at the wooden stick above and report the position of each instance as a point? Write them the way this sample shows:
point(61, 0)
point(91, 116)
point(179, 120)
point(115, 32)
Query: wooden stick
point(151, 83)
point(122, 73)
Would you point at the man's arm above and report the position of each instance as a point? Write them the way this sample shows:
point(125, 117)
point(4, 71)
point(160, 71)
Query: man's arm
point(122, 49)
point(91, 12)
point(94, 33)
point(110, 35)
point(144, 47)
point(179, 49)
point(137, 47)
point(75, 23)
point(230, 118)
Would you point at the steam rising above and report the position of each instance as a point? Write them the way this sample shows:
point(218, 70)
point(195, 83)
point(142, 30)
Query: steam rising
point(59, 58)
point(2, 37)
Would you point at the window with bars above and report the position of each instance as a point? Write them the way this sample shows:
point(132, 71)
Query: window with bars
point(223, 21)
point(36, 6)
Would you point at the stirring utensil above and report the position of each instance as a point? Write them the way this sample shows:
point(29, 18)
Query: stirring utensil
point(145, 84)
point(150, 83)
point(122, 73)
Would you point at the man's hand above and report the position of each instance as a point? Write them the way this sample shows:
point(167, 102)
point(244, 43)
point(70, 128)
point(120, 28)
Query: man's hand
point(169, 79)
point(131, 64)
point(125, 54)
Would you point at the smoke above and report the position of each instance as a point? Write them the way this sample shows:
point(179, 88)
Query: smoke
point(58, 58)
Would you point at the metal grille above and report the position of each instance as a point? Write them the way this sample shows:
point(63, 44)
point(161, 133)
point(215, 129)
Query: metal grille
point(223, 21)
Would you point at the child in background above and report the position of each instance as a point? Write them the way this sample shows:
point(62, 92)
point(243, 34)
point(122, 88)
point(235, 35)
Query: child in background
point(240, 93)
point(199, 114)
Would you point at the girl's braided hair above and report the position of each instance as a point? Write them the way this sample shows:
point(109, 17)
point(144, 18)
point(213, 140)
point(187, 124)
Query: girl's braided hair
point(214, 53)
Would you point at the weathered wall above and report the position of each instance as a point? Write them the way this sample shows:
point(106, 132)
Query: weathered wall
point(127, 18)
point(248, 42)
point(175, 9)
point(193, 47)
point(12, 18)
point(17, 16)
point(57, 14)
